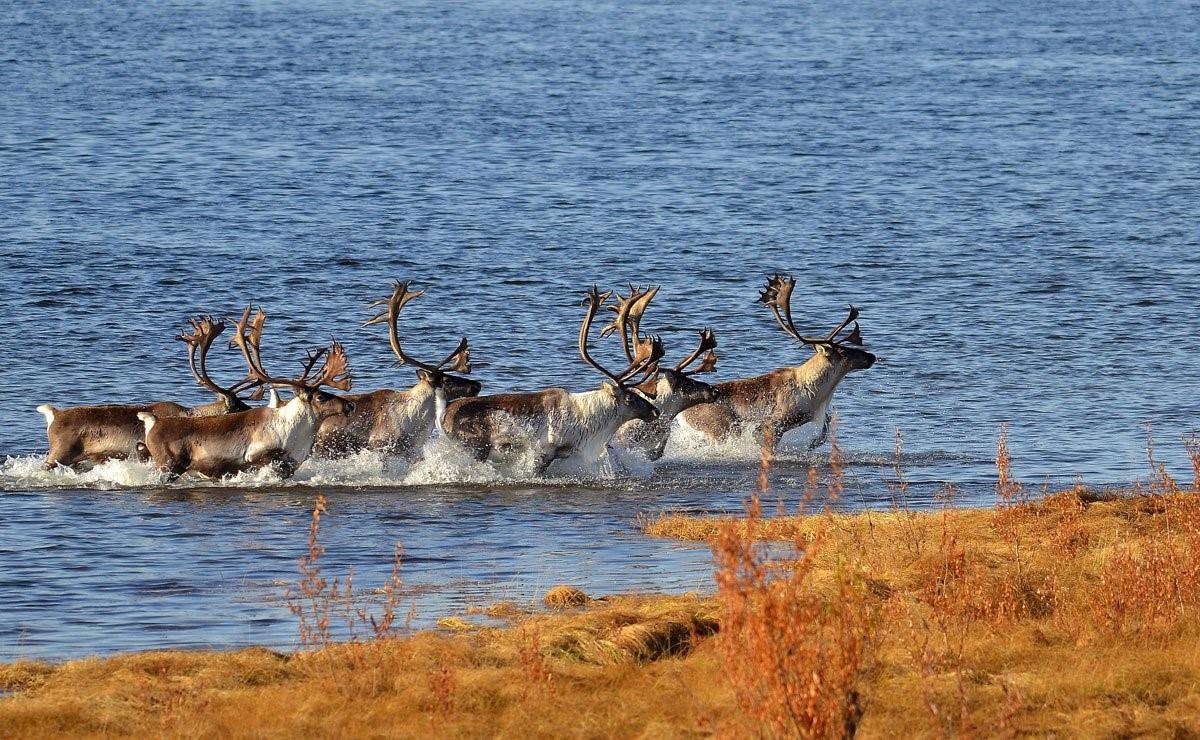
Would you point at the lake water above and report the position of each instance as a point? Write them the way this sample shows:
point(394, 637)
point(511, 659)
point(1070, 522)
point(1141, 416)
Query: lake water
point(1008, 191)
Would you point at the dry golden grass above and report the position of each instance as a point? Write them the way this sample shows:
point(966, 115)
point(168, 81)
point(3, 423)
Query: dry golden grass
point(1074, 615)
point(1077, 614)
point(622, 667)
point(1096, 636)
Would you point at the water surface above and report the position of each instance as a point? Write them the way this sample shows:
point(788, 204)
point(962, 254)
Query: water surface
point(1007, 191)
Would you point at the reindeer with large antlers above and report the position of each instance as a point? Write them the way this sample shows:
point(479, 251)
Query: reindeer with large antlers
point(217, 446)
point(672, 389)
point(392, 421)
point(788, 397)
point(555, 424)
point(113, 431)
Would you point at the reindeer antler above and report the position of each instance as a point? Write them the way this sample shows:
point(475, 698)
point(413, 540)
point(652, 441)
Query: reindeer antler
point(778, 296)
point(459, 360)
point(708, 343)
point(335, 373)
point(628, 320)
point(205, 330)
point(645, 356)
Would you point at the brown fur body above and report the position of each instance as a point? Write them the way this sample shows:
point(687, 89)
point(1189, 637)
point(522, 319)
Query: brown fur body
point(217, 446)
point(780, 400)
point(552, 423)
point(105, 432)
point(389, 421)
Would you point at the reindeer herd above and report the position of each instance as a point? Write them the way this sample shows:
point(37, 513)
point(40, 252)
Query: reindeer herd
point(634, 408)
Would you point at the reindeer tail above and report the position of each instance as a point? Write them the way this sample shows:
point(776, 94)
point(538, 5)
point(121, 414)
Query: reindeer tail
point(47, 411)
point(148, 419)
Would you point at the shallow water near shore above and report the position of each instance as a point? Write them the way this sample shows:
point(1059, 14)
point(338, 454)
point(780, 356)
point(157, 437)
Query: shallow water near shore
point(1006, 191)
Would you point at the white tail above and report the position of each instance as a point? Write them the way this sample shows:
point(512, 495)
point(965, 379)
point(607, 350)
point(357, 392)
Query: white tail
point(47, 411)
point(147, 419)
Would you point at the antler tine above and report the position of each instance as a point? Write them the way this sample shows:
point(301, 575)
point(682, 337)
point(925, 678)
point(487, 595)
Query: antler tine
point(312, 357)
point(594, 300)
point(460, 359)
point(335, 373)
point(708, 342)
point(391, 308)
point(638, 310)
point(628, 319)
point(778, 296)
point(247, 338)
point(649, 351)
point(707, 365)
point(851, 316)
point(855, 337)
point(204, 330)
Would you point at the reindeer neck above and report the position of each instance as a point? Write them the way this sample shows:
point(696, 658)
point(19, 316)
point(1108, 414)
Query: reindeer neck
point(599, 403)
point(296, 410)
point(422, 390)
point(820, 375)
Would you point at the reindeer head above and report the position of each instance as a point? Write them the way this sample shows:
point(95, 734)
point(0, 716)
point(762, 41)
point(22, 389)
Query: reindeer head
point(777, 295)
point(307, 388)
point(458, 361)
point(623, 390)
point(679, 380)
point(673, 387)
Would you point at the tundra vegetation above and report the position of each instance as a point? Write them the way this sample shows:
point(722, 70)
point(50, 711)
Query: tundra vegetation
point(1075, 613)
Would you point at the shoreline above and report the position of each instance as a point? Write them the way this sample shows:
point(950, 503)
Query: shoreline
point(1076, 613)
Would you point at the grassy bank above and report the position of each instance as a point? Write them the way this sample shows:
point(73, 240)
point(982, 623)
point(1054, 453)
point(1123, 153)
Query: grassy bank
point(1074, 614)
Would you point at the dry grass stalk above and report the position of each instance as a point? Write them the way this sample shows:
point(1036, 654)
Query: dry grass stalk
point(538, 675)
point(1161, 482)
point(793, 653)
point(836, 487)
point(766, 460)
point(310, 601)
point(315, 600)
point(442, 681)
point(898, 488)
point(1191, 444)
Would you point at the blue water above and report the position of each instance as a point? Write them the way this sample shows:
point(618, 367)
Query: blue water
point(1008, 191)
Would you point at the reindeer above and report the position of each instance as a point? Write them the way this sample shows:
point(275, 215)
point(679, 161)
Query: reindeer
point(392, 421)
point(788, 397)
point(216, 446)
point(672, 389)
point(555, 424)
point(112, 431)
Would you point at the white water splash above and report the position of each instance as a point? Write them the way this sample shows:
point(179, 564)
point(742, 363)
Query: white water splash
point(444, 463)
point(26, 472)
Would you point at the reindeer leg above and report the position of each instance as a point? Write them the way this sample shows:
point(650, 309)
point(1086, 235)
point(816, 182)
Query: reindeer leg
point(286, 467)
point(558, 453)
point(823, 435)
point(56, 457)
point(176, 467)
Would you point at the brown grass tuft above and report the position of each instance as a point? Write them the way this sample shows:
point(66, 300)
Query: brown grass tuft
point(565, 597)
point(456, 624)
